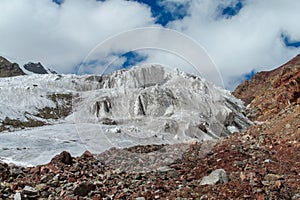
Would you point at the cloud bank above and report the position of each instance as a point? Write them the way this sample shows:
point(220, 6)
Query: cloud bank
point(62, 35)
point(240, 36)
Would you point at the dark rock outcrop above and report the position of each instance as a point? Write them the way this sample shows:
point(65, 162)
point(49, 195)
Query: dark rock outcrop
point(38, 68)
point(8, 69)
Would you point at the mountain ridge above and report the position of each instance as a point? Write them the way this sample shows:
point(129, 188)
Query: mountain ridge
point(9, 69)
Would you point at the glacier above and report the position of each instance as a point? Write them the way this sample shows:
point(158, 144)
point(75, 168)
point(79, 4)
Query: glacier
point(148, 104)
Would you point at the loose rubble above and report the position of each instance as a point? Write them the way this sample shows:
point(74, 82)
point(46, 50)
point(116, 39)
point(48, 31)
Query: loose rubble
point(251, 165)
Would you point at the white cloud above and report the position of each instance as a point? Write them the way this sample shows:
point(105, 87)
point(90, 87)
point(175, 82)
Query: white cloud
point(61, 36)
point(249, 40)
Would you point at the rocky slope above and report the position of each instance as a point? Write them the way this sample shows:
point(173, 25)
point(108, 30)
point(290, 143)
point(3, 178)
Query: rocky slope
point(8, 69)
point(252, 165)
point(268, 93)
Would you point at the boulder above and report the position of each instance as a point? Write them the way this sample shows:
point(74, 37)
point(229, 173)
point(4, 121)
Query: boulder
point(29, 190)
point(216, 176)
point(84, 188)
point(64, 157)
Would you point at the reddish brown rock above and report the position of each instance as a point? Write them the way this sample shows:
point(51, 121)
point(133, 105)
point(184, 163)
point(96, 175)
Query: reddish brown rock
point(64, 157)
point(84, 188)
point(270, 92)
point(87, 154)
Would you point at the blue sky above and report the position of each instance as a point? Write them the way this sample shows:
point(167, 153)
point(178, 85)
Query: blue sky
point(240, 36)
point(133, 58)
point(162, 14)
point(289, 42)
point(58, 1)
point(231, 10)
point(159, 11)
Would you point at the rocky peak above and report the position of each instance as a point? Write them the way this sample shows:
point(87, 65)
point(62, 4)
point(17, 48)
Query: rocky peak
point(8, 69)
point(269, 92)
point(38, 68)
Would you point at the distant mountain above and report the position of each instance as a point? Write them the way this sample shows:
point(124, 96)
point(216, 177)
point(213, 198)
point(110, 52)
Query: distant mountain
point(8, 69)
point(38, 68)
